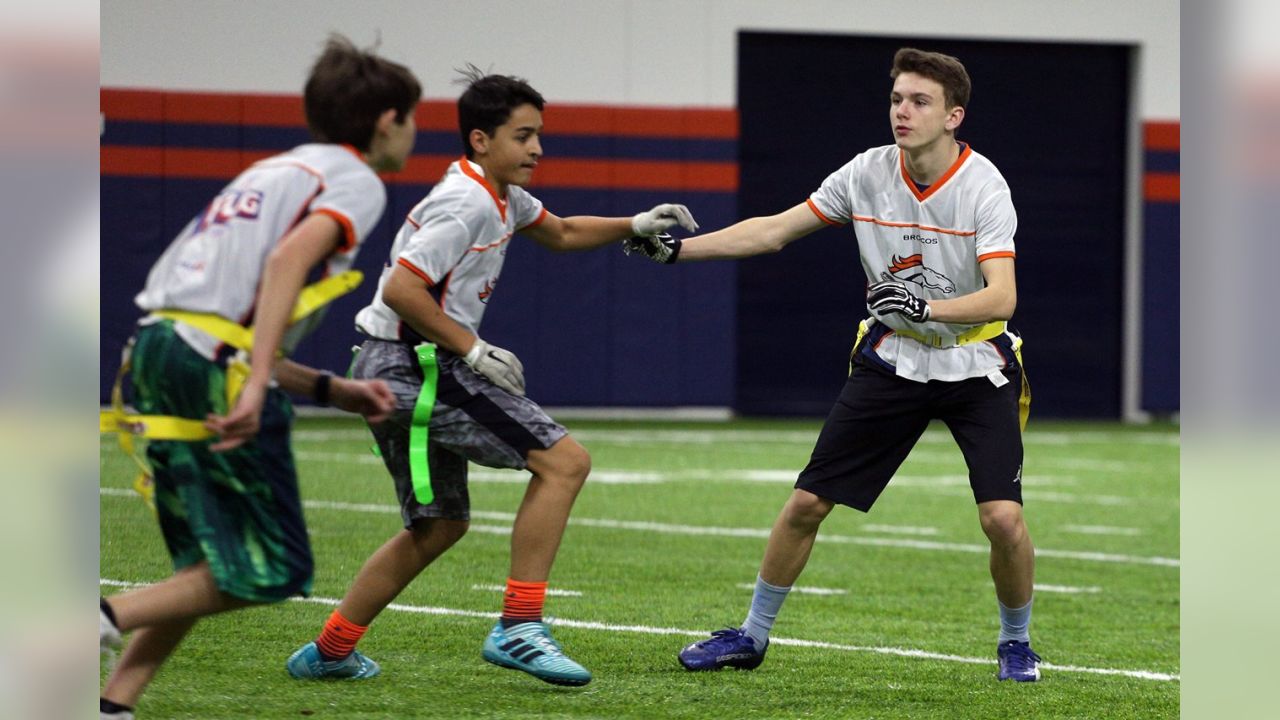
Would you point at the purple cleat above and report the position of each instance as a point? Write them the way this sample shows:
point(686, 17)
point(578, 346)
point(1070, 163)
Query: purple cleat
point(725, 648)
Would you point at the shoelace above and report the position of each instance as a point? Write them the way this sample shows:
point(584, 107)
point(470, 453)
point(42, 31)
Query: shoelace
point(723, 639)
point(1022, 653)
point(543, 641)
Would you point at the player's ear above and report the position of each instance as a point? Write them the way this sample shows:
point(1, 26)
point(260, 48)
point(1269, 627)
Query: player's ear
point(385, 121)
point(955, 116)
point(479, 141)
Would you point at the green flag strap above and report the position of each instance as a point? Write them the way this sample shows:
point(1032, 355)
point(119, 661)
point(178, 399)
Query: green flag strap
point(418, 465)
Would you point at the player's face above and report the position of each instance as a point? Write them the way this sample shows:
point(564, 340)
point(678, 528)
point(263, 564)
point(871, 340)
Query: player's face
point(400, 137)
point(918, 113)
point(515, 147)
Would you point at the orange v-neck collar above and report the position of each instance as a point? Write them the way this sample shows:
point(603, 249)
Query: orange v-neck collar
point(937, 184)
point(465, 165)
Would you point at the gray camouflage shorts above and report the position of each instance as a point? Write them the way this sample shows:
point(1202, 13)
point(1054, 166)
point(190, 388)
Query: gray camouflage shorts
point(473, 420)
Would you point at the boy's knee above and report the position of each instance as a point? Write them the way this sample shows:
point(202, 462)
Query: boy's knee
point(804, 510)
point(1002, 522)
point(566, 462)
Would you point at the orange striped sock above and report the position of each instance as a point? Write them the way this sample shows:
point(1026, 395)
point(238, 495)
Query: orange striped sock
point(522, 602)
point(339, 637)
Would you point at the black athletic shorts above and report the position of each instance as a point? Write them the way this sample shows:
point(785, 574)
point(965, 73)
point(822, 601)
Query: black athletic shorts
point(879, 417)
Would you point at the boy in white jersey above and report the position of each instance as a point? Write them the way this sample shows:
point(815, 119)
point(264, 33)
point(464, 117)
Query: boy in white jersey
point(934, 226)
point(229, 509)
point(465, 398)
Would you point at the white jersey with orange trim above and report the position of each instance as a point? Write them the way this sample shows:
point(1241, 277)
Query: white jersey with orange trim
point(215, 264)
point(933, 239)
point(456, 241)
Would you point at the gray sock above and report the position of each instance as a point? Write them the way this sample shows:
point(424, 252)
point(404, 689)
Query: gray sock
point(765, 603)
point(1014, 622)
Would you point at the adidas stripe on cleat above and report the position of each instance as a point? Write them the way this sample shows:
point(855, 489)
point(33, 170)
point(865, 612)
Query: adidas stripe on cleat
point(530, 648)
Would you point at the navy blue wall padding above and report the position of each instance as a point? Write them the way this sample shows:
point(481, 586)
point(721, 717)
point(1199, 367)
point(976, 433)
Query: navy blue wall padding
point(1052, 117)
point(1160, 307)
point(592, 329)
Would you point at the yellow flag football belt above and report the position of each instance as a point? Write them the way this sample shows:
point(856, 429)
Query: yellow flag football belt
point(166, 427)
point(973, 335)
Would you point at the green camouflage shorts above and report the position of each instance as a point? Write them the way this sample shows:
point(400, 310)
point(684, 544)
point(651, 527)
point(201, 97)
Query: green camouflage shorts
point(239, 510)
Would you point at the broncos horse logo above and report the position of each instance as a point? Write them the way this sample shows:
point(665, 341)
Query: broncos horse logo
point(913, 269)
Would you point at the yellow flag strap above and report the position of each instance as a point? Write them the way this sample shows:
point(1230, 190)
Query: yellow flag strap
point(152, 427)
point(972, 335)
point(312, 298)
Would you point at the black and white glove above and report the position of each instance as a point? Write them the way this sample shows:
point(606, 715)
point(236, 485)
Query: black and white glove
point(501, 367)
point(658, 248)
point(662, 218)
point(892, 296)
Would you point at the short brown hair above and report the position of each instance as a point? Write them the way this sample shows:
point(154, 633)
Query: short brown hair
point(349, 89)
point(945, 70)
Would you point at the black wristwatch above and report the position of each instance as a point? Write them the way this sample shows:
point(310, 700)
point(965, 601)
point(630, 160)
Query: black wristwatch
point(321, 393)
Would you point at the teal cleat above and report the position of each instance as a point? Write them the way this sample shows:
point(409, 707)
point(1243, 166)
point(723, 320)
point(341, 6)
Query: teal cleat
point(530, 647)
point(306, 664)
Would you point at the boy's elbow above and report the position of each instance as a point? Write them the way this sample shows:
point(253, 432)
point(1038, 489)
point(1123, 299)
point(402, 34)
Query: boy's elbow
point(1008, 303)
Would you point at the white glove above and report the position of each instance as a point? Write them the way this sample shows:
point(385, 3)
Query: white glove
point(661, 219)
point(501, 367)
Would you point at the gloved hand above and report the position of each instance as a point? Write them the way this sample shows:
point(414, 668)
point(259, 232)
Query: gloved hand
point(662, 218)
point(892, 296)
point(501, 367)
point(658, 248)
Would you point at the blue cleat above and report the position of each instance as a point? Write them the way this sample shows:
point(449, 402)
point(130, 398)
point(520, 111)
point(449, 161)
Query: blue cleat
point(1018, 662)
point(725, 648)
point(306, 664)
point(530, 647)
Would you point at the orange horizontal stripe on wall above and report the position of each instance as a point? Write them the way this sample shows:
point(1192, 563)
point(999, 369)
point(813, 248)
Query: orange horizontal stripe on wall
point(1161, 187)
point(176, 162)
point(439, 115)
point(1162, 136)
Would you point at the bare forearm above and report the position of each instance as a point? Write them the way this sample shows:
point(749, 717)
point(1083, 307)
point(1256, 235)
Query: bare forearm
point(986, 305)
point(296, 378)
point(754, 236)
point(586, 232)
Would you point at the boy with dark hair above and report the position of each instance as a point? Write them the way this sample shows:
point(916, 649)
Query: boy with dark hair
point(934, 225)
point(229, 510)
point(459, 398)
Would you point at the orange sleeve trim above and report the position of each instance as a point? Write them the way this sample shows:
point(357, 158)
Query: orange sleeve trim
point(537, 221)
point(818, 212)
point(993, 255)
point(348, 230)
point(414, 269)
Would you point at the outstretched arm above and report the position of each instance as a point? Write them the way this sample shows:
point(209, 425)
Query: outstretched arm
point(585, 232)
point(754, 236)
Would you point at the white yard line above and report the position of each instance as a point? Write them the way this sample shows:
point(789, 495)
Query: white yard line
point(650, 630)
point(1067, 589)
point(702, 530)
point(1102, 530)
